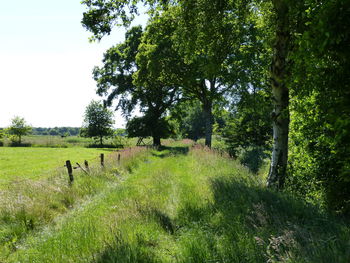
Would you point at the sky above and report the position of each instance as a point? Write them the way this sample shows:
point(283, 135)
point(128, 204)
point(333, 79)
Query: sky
point(46, 62)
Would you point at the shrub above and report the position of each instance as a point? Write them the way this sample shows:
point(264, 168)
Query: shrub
point(252, 157)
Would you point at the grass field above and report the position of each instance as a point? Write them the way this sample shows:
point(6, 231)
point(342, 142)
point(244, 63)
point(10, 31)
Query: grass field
point(180, 204)
point(71, 141)
point(32, 162)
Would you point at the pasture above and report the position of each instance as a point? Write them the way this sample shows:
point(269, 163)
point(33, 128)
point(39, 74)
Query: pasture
point(37, 162)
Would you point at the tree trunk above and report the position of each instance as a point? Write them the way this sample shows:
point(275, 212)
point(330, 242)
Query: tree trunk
point(101, 140)
point(208, 116)
point(156, 141)
point(280, 92)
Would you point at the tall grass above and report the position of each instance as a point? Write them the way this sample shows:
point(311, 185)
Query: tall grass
point(27, 206)
point(184, 204)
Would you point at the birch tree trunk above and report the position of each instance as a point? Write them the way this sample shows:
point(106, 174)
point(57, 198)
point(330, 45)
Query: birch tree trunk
point(280, 92)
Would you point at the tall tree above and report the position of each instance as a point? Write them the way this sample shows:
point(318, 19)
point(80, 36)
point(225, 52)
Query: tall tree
point(210, 36)
point(121, 78)
point(209, 42)
point(280, 93)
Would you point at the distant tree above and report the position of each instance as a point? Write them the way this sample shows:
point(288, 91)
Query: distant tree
point(18, 128)
point(54, 132)
point(2, 135)
point(98, 122)
point(74, 131)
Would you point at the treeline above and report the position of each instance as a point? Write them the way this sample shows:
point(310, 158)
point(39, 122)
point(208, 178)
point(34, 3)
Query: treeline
point(62, 131)
point(277, 72)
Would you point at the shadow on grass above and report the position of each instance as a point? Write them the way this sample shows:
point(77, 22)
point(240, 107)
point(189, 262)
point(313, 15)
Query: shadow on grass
point(105, 146)
point(167, 151)
point(243, 223)
point(123, 251)
point(22, 144)
point(254, 224)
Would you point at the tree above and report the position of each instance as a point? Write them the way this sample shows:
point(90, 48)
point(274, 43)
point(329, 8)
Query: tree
point(320, 109)
point(210, 42)
point(19, 128)
point(308, 45)
point(210, 46)
point(98, 122)
point(249, 124)
point(2, 135)
point(122, 78)
point(54, 131)
point(139, 127)
point(190, 118)
point(280, 92)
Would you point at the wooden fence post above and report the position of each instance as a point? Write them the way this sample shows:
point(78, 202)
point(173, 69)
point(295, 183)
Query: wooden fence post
point(86, 165)
point(118, 158)
point(70, 171)
point(102, 157)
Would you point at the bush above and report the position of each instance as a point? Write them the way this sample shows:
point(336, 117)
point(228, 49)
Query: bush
point(17, 144)
point(252, 157)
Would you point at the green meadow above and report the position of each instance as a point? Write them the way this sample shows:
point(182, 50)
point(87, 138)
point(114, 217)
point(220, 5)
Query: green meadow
point(35, 162)
point(176, 204)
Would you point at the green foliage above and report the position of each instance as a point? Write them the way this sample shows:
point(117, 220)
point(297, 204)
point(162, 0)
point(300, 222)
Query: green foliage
point(63, 131)
point(320, 123)
point(115, 78)
point(147, 126)
point(129, 79)
point(252, 157)
point(98, 122)
point(250, 123)
point(18, 129)
point(190, 119)
point(2, 135)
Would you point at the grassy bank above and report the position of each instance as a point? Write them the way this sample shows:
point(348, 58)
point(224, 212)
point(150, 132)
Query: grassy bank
point(186, 204)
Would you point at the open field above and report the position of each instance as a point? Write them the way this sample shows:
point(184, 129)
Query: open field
point(70, 141)
point(179, 204)
point(32, 162)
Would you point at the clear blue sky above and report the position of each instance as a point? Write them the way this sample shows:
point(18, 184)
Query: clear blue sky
point(46, 62)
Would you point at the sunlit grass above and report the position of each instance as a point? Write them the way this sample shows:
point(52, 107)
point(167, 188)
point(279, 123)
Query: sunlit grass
point(27, 206)
point(183, 204)
point(30, 162)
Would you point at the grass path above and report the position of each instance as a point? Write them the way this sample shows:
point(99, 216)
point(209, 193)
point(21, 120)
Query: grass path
point(189, 206)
